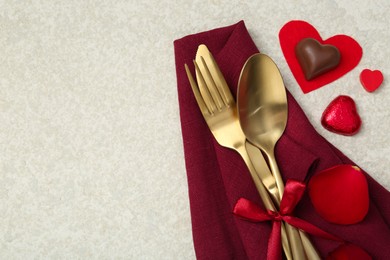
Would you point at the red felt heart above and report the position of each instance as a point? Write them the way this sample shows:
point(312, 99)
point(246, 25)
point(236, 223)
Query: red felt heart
point(340, 194)
point(294, 31)
point(371, 80)
point(341, 116)
point(348, 252)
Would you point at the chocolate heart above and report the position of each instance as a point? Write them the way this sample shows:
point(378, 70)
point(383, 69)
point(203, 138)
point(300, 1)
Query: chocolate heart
point(315, 58)
point(371, 80)
point(341, 116)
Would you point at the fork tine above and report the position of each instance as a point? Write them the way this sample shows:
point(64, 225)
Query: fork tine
point(208, 100)
point(210, 83)
point(221, 83)
point(217, 75)
point(203, 108)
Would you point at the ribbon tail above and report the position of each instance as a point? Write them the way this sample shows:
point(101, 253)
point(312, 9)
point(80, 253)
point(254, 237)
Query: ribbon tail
point(309, 228)
point(293, 193)
point(274, 242)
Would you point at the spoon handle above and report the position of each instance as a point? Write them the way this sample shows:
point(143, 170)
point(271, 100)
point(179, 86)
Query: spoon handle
point(295, 240)
point(310, 250)
point(300, 242)
point(262, 170)
point(265, 197)
point(276, 173)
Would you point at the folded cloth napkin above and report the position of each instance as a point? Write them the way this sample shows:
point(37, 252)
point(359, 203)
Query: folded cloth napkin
point(217, 176)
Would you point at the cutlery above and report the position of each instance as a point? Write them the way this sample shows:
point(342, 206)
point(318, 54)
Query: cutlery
point(219, 110)
point(262, 105)
point(261, 167)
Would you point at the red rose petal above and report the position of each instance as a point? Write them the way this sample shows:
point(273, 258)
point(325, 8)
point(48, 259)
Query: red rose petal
point(349, 252)
point(340, 194)
point(294, 31)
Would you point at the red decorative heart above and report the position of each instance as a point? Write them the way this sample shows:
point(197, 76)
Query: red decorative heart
point(340, 194)
point(371, 80)
point(341, 116)
point(348, 252)
point(294, 31)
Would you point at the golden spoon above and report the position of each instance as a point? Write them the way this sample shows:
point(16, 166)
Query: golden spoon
point(262, 104)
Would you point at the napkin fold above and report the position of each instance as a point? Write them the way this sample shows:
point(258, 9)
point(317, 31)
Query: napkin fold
point(218, 177)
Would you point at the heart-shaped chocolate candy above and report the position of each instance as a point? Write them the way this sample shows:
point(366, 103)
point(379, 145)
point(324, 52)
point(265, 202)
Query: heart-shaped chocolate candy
point(315, 58)
point(341, 116)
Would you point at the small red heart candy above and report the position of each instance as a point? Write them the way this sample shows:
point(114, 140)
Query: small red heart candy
point(340, 194)
point(341, 116)
point(371, 80)
point(348, 252)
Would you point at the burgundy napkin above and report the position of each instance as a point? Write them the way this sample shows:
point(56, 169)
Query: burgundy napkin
point(218, 177)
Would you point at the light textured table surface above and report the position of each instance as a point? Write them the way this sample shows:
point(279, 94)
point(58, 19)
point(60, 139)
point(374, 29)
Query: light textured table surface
point(91, 159)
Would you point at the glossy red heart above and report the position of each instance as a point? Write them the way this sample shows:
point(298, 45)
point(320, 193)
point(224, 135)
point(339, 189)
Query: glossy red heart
point(341, 116)
point(294, 31)
point(340, 194)
point(371, 80)
point(348, 252)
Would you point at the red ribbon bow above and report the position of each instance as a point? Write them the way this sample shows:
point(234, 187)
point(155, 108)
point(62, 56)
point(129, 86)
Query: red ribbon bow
point(292, 195)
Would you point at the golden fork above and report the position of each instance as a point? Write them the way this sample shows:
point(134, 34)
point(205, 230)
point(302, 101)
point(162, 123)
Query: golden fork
point(218, 108)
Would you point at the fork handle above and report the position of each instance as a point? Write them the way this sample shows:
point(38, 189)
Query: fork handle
point(269, 182)
point(264, 196)
point(301, 245)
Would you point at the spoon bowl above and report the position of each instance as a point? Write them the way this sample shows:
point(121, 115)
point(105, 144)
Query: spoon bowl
point(262, 102)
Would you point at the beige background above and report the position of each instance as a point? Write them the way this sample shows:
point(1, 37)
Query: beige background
point(91, 160)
